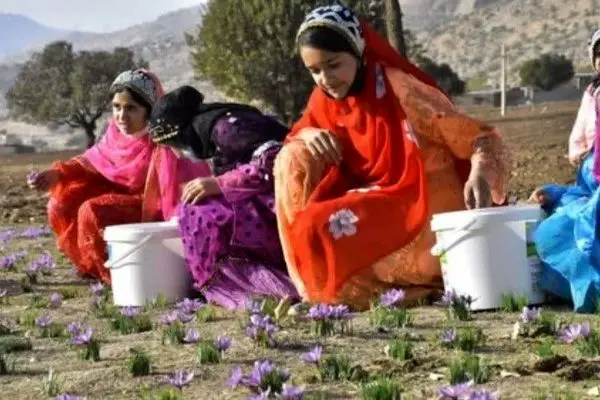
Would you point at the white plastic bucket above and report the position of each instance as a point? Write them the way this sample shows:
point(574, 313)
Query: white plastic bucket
point(146, 260)
point(487, 253)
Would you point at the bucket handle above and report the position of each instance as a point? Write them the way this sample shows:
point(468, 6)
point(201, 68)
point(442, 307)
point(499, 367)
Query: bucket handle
point(110, 264)
point(439, 248)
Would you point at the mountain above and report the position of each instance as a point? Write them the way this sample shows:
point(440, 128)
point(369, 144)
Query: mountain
point(471, 43)
point(18, 32)
point(161, 42)
point(421, 15)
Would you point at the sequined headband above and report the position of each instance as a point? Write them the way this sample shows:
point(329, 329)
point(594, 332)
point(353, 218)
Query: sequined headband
point(159, 133)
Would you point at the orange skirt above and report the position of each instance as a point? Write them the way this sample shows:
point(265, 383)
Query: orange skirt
point(81, 205)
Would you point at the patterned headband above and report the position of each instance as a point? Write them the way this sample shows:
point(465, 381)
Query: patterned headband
point(339, 18)
point(160, 133)
point(139, 82)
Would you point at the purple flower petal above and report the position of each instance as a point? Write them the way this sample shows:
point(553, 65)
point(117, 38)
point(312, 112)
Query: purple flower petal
point(291, 393)
point(392, 298)
point(84, 337)
point(44, 321)
point(235, 378)
point(449, 336)
point(189, 306)
point(530, 314)
point(223, 343)
point(313, 356)
point(192, 336)
point(482, 395)
point(179, 379)
point(456, 391)
point(575, 331)
point(130, 312)
point(97, 288)
point(56, 300)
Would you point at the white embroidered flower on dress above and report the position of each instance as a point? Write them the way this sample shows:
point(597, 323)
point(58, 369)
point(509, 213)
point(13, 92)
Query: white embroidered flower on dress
point(343, 223)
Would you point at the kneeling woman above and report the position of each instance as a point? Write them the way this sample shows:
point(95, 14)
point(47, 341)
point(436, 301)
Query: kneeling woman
point(378, 150)
point(123, 179)
point(228, 222)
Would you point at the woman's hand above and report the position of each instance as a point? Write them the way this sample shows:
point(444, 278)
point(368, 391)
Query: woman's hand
point(322, 144)
point(477, 192)
point(195, 191)
point(539, 196)
point(44, 180)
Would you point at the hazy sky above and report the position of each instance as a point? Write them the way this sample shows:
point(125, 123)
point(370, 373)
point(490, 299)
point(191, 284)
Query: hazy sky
point(93, 15)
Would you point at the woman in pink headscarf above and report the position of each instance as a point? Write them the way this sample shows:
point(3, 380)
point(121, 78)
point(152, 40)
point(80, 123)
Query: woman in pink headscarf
point(124, 178)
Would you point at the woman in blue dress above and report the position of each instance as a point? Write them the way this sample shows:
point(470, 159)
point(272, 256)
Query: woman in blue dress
point(568, 241)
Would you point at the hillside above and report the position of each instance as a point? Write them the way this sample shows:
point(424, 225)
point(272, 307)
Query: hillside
point(471, 43)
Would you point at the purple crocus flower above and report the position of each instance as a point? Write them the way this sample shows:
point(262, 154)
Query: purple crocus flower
point(183, 317)
point(482, 395)
point(74, 328)
point(340, 312)
point(130, 311)
point(261, 368)
point(253, 306)
point(313, 356)
point(33, 232)
point(169, 318)
point(3, 293)
point(97, 288)
point(8, 262)
point(6, 236)
point(44, 321)
point(236, 377)
point(66, 396)
point(319, 312)
point(291, 393)
point(530, 314)
point(456, 391)
point(179, 379)
point(56, 300)
point(447, 298)
point(392, 298)
point(223, 343)
point(192, 336)
point(33, 268)
point(84, 337)
point(573, 332)
point(448, 336)
point(189, 306)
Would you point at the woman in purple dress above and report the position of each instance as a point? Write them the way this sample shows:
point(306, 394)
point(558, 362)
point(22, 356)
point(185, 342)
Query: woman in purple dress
point(227, 222)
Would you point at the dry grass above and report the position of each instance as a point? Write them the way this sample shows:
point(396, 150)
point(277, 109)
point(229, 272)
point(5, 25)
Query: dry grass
point(538, 138)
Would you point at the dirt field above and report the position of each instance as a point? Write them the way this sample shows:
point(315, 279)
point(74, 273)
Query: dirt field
point(538, 138)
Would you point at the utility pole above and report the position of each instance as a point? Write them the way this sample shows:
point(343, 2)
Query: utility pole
point(503, 82)
point(394, 26)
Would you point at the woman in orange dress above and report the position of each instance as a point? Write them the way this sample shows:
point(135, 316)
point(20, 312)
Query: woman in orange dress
point(378, 150)
point(124, 178)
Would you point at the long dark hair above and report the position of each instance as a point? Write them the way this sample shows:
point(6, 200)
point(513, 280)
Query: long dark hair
point(325, 38)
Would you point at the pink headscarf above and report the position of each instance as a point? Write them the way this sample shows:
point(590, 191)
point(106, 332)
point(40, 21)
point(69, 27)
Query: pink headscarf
point(127, 159)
